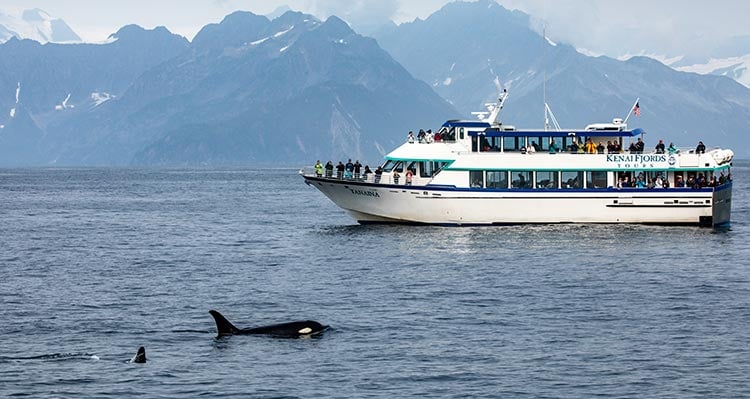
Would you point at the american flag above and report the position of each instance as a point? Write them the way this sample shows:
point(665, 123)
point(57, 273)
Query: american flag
point(637, 110)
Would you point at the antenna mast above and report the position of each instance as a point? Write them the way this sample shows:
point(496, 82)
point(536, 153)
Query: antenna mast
point(544, 76)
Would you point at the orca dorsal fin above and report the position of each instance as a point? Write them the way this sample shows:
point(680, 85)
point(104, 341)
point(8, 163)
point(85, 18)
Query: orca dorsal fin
point(223, 326)
point(140, 356)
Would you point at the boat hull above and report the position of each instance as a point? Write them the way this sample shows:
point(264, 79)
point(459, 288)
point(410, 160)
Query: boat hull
point(378, 203)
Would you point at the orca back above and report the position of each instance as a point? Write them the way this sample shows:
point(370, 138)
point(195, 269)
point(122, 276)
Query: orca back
point(288, 330)
point(283, 330)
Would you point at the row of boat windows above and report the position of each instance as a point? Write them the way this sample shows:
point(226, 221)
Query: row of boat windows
point(549, 179)
point(538, 179)
point(426, 168)
point(510, 144)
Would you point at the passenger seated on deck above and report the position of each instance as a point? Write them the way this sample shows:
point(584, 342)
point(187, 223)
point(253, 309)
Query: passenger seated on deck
point(700, 149)
point(672, 149)
point(523, 150)
point(658, 182)
point(531, 149)
point(438, 136)
point(553, 147)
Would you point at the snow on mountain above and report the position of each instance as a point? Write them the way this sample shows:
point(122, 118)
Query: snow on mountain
point(35, 24)
point(737, 68)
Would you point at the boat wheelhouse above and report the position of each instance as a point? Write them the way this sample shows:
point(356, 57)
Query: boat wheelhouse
point(485, 173)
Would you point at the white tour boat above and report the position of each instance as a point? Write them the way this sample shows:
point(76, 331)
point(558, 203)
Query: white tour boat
point(481, 173)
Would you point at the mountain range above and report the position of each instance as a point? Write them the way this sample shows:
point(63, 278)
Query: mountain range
point(292, 89)
point(37, 25)
point(459, 63)
point(248, 90)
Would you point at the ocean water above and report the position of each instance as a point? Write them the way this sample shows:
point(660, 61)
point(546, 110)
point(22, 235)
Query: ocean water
point(97, 262)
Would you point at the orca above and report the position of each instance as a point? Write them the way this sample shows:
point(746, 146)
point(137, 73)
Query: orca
point(295, 329)
point(140, 356)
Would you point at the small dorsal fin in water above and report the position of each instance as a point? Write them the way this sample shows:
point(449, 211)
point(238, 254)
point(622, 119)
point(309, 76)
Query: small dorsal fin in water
point(140, 356)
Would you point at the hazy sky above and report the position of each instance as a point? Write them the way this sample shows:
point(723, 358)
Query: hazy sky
point(656, 27)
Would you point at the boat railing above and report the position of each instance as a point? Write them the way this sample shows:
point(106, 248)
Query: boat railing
point(386, 178)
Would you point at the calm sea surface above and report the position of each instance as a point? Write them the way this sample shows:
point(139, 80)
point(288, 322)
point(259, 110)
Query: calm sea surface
point(97, 262)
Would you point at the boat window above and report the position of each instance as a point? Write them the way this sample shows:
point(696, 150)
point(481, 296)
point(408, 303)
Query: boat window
point(626, 179)
point(399, 167)
point(461, 133)
point(412, 165)
point(476, 178)
point(497, 179)
point(522, 179)
point(571, 179)
point(546, 180)
point(596, 179)
point(654, 174)
point(544, 143)
point(388, 166)
point(511, 144)
point(485, 144)
point(495, 143)
point(425, 169)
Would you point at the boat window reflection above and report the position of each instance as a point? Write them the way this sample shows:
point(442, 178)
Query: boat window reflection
point(596, 179)
point(546, 180)
point(476, 178)
point(497, 179)
point(522, 179)
point(571, 179)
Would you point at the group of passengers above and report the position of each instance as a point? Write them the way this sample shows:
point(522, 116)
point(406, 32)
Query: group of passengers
point(695, 182)
point(641, 182)
point(612, 147)
point(701, 181)
point(345, 171)
point(426, 137)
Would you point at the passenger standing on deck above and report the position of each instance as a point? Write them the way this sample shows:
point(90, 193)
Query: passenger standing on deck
point(349, 169)
point(340, 170)
point(329, 169)
point(357, 169)
point(590, 146)
point(660, 147)
point(378, 174)
point(700, 149)
point(318, 168)
point(410, 137)
point(367, 172)
point(396, 176)
point(640, 145)
point(409, 177)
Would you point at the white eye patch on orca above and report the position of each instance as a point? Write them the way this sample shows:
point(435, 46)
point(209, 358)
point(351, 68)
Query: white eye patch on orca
point(306, 330)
